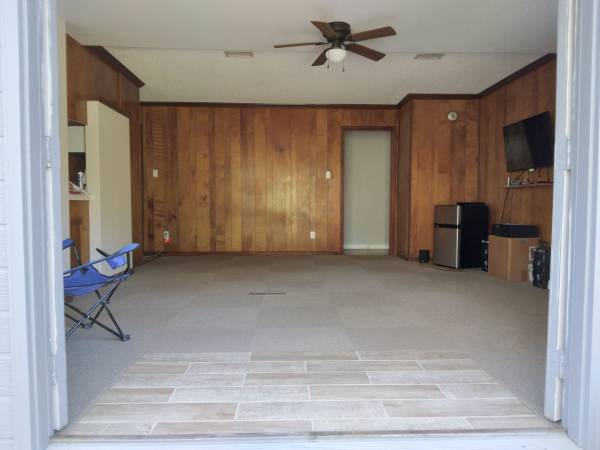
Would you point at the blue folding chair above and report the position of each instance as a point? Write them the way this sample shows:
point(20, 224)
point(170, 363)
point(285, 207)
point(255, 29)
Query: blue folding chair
point(86, 278)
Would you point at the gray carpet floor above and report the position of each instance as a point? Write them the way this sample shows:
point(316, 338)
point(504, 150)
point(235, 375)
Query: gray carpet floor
point(325, 304)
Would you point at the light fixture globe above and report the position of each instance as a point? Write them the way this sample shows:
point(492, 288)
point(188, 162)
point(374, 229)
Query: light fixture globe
point(336, 55)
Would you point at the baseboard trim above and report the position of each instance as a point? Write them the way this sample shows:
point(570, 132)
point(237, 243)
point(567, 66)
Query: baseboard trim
point(282, 253)
point(367, 247)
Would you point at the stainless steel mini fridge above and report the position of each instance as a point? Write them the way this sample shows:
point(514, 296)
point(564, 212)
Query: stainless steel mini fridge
point(459, 230)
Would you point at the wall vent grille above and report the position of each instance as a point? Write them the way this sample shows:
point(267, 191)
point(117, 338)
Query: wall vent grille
point(429, 56)
point(239, 54)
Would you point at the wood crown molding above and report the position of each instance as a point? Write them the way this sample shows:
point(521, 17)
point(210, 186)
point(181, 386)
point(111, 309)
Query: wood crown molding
point(267, 105)
point(503, 82)
point(410, 97)
point(519, 73)
point(414, 96)
point(104, 55)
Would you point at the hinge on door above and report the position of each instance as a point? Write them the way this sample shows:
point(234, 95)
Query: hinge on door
point(48, 145)
point(569, 155)
point(561, 364)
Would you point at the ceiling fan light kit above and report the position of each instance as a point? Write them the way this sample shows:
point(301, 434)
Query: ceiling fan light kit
point(336, 55)
point(341, 40)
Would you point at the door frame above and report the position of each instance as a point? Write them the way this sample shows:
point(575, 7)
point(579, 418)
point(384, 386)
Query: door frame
point(32, 281)
point(577, 295)
point(561, 203)
point(393, 180)
point(33, 230)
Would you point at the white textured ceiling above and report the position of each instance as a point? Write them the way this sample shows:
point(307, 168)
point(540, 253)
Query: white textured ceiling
point(177, 46)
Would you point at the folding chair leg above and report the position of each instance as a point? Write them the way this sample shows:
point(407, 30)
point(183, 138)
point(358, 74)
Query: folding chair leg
point(79, 322)
point(91, 323)
point(103, 301)
point(123, 337)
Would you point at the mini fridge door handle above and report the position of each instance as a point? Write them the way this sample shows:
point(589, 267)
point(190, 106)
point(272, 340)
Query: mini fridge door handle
point(447, 246)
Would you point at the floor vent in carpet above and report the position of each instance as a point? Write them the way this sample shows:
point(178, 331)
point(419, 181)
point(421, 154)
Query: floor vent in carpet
point(266, 293)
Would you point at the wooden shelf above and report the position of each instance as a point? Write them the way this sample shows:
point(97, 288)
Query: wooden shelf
point(528, 185)
point(80, 197)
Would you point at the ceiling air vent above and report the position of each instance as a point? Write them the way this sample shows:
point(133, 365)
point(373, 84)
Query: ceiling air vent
point(238, 54)
point(429, 56)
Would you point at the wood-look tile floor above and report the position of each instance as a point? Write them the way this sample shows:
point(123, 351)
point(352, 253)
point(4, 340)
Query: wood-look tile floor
point(234, 393)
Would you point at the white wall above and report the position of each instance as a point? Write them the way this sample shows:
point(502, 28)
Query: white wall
point(6, 426)
point(76, 139)
point(108, 178)
point(61, 41)
point(366, 190)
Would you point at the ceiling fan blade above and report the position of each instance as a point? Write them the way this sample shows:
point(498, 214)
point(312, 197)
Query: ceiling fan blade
point(372, 34)
point(324, 28)
point(321, 59)
point(298, 45)
point(365, 51)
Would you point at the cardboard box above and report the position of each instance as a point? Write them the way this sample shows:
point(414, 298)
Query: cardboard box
point(509, 258)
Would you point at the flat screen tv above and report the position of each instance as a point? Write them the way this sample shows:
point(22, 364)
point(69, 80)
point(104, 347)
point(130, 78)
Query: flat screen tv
point(529, 144)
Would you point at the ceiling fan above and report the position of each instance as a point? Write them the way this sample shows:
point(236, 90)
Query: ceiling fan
point(342, 40)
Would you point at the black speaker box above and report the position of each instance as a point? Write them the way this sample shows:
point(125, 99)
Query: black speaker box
point(513, 230)
point(541, 267)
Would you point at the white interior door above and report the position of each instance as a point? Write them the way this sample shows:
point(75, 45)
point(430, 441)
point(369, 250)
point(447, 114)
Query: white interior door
point(53, 215)
point(367, 190)
point(560, 259)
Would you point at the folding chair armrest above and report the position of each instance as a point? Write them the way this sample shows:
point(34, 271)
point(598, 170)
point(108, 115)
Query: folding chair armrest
point(67, 243)
point(71, 244)
point(102, 252)
point(123, 251)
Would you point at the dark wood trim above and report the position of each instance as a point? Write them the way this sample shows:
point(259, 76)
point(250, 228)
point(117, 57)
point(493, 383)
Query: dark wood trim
point(257, 253)
point(112, 106)
point(393, 181)
point(267, 105)
point(414, 96)
point(410, 97)
point(410, 175)
point(393, 192)
point(104, 55)
point(519, 73)
point(106, 103)
point(509, 79)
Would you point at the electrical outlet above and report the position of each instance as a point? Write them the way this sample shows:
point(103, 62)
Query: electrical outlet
point(328, 174)
point(155, 173)
point(166, 235)
point(313, 235)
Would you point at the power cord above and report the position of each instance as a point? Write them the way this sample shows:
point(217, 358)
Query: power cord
point(508, 192)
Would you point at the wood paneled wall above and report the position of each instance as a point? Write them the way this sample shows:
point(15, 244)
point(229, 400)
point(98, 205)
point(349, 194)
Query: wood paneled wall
point(93, 74)
point(250, 178)
point(247, 179)
point(438, 164)
point(403, 216)
point(530, 94)
point(79, 229)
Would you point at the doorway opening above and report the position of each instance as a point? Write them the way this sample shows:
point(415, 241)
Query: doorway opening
point(367, 191)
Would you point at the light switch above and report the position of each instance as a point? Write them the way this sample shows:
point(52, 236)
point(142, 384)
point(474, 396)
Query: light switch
point(313, 235)
point(328, 174)
point(155, 173)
